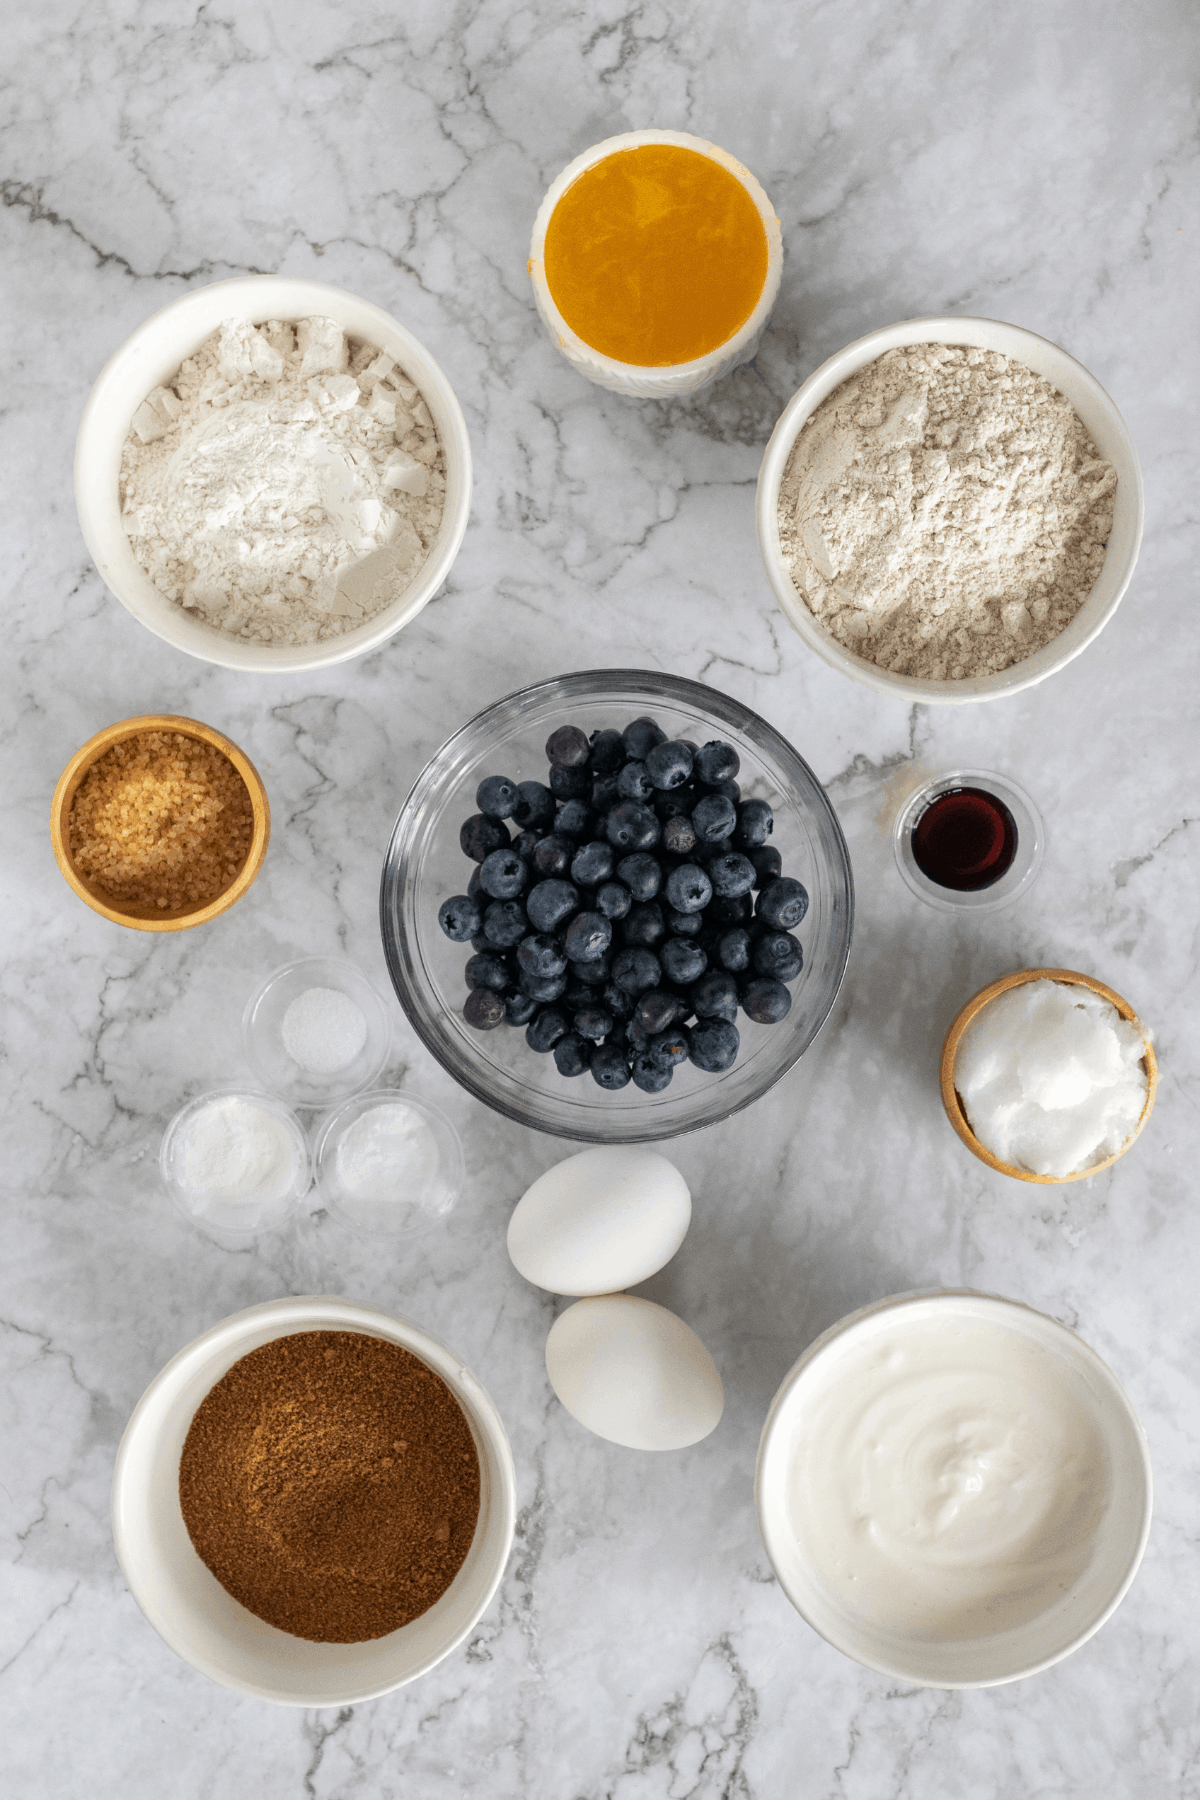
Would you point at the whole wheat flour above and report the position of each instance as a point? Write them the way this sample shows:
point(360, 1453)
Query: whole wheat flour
point(286, 485)
point(944, 512)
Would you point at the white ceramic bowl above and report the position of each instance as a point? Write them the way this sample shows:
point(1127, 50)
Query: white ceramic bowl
point(149, 358)
point(1107, 429)
point(633, 378)
point(1004, 1655)
point(187, 1605)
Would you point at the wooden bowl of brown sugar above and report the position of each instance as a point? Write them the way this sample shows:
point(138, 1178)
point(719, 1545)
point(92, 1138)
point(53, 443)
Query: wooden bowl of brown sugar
point(160, 823)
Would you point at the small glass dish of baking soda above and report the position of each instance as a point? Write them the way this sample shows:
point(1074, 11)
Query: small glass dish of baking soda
point(969, 841)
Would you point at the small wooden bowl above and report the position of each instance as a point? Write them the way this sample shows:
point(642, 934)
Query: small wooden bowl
point(954, 1106)
point(149, 918)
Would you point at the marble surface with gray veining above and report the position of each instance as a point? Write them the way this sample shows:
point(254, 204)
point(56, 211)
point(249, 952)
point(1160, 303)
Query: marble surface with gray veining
point(1031, 162)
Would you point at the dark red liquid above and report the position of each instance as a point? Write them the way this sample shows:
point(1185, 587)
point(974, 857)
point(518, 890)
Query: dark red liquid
point(965, 839)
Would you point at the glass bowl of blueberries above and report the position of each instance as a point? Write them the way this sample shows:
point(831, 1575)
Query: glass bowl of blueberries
point(617, 906)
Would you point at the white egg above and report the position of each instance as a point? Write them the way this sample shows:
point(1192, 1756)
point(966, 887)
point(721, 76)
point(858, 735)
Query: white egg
point(633, 1373)
point(600, 1221)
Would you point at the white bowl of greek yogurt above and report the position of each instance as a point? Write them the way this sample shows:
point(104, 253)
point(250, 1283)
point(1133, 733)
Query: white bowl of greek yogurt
point(370, 549)
point(949, 529)
point(953, 1489)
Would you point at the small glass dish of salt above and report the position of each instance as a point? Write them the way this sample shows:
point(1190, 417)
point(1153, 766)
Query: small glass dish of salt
point(316, 1031)
point(388, 1164)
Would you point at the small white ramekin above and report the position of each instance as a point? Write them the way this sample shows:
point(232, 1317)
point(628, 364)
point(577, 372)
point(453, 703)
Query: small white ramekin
point(1004, 1655)
point(184, 1601)
point(1107, 429)
point(150, 358)
point(676, 378)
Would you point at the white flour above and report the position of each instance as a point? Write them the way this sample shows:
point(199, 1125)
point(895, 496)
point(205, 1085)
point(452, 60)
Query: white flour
point(286, 485)
point(944, 512)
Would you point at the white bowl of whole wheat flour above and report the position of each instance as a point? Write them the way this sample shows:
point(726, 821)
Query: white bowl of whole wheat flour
point(273, 474)
point(950, 526)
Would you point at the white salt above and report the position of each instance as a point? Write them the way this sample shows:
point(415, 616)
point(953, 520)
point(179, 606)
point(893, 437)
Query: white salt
point(323, 1030)
point(389, 1154)
point(1051, 1078)
point(238, 1149)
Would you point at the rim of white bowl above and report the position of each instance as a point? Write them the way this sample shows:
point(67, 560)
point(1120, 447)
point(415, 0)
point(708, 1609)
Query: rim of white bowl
point(1104, 424)
point(897, 1302)
point(312, 1312)
point(637, 379)
point(150, 356)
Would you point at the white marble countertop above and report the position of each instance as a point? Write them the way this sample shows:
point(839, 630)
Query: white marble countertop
point(1030, 163)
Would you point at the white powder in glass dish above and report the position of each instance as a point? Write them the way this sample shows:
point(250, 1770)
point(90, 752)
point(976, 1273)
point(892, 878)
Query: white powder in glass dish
point(286, 484)
point(944, 513)
point(323, 1030)
point(237, 1149)
point(390, 1155)
point(1051, 1077)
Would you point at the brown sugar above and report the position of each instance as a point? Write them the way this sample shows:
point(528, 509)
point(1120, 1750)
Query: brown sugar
point(330, 1482)
point(161, 820)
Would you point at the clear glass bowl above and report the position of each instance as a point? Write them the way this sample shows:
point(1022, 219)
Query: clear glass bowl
point(224, 1213)
point(418, 1191)
point(425, 866)
point(1016, 880)
point(262, 1032)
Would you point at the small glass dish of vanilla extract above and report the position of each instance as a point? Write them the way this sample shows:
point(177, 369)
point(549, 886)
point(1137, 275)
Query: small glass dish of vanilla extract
point(969, 841)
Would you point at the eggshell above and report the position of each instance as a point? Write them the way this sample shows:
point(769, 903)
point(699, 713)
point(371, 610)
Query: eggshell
point(633, 1373)
point(603, 1220)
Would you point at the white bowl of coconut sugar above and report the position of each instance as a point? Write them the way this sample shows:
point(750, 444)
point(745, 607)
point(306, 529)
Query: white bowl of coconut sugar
point(950, 509)
point(273, 475)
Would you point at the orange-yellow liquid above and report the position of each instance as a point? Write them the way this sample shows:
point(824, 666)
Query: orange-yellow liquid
point(656, 255)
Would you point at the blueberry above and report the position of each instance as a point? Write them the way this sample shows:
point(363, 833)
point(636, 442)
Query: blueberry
point(502, 874)
point(525, 843)
point(640, 737)
point(549, 903)
point(567, 747)
point(656, 1011)
point(733, 950)
point(592, 864)
point(766, 1000)
point(677, 805)
point(715, 996)
point(683, 924)
point(730, 910)
point(546, 1029)
point(645, 924)
point(460, 918)
point(688, 888)
point(634, 783)
point(588, 936)
point(478, 837)
point(519, 1008)
point(714, 817)
point(474, 890)
point(570, 784)
point(731, 875)
point(650, 1076)
point(713, 1045)
point(682, 961)
point(669, 765)
point(631, 826)
point(553, 855)
point(608, 752)
point(535, 804)
point(717, 762)
point(641, 874)
point(609, 1068)
point(776, 954)
point(619, 1003)
point(604, 793)
point(755, 823)
point(782, 903)
point(594, 1022)
point(544, 988)
point(480, 942)
point(574, 819)
point(594, 973)
point(730, 789)
point(768, 864)
point(614, 900)
point(679, 836)
point(505, 924)
point(483, 1009)
point(540, 956)
point(488, 971)
point(636, 969)
point(669, 1048)
point(496, 796)
point(572, 1054)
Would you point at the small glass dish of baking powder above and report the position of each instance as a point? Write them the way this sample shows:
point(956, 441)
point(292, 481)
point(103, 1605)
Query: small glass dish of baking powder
point(316, 1031)
point(235, 1163)
point(388, 1164)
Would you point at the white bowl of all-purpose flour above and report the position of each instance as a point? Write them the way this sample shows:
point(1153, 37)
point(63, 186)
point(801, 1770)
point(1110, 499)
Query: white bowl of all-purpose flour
point(399, 570)
point(914, 515)
point(953, 1489)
